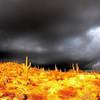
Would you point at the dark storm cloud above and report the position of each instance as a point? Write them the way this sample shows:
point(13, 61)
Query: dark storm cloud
point(30, 14)
point(56, 30)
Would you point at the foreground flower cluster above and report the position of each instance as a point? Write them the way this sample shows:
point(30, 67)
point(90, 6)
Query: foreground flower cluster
point(22, 82)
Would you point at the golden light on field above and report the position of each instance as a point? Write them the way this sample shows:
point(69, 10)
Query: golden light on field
point(23, 82)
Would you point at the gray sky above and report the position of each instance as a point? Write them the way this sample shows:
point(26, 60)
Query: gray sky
point(51, 31)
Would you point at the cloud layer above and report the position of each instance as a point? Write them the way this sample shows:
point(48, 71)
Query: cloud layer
point(51, 31)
